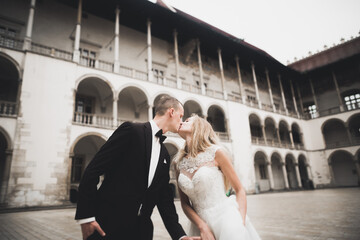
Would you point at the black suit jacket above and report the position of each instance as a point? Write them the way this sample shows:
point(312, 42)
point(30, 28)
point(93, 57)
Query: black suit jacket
point(124, 160)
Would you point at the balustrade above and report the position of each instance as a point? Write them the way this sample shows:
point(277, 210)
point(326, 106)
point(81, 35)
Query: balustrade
point(8, 108)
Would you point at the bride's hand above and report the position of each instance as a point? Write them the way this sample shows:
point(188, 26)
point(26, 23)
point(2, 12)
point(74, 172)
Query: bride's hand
point(206, 233)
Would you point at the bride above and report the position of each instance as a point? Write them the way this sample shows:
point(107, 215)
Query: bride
point(204, 172)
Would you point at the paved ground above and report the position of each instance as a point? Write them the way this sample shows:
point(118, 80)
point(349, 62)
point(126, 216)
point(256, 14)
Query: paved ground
point(330, 214)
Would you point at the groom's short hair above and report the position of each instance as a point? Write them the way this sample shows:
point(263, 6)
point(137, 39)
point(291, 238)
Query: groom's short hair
point(166, 102)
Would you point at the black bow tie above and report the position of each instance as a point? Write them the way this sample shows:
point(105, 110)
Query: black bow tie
point(159, 134)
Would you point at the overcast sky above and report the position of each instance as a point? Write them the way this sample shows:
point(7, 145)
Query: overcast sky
point(283, 28)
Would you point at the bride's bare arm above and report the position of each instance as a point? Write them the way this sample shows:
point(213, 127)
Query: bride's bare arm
point(205, 231)
point(226, 167)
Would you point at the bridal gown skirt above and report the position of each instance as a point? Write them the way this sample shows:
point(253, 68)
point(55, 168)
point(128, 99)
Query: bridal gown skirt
point(226, 222)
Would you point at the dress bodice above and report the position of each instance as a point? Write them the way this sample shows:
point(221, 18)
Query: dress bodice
point(201, 180)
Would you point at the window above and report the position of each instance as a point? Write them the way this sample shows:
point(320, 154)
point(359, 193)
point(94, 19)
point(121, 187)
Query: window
point(87, 57)
point(262, 171)
point(251, 98)
point(311, 111)
point(76, 169)
point(352, 101)
point(7, 36)
point(158, 75)
point(83, 109)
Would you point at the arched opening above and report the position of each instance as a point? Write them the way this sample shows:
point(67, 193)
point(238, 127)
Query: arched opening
point(261, 172)
point(276, 167)
point(270, 131)
point(255, 128)
point(156, 100)
point(354, 128)
point(93, 103)
point(84, 151)
point(335, 133)
point(291, 172)
point(303, 170)
point(132, 105)
point(4, 167)
point(9, 87)
point(191, 107)
point(284, 133)
point(172, 150)
point(297, 136)
point(344, 169)
point(216, 118)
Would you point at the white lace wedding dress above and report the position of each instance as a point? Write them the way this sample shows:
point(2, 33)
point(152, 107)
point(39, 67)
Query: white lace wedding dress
point(203, 183)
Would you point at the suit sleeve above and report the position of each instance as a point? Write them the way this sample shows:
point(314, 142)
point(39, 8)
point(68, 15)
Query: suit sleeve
point(168, 213)
point(104, 159)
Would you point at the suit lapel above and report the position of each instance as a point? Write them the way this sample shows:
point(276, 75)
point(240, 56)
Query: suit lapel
point(148, 144)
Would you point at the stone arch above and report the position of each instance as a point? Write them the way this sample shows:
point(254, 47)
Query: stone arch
point(335, 133)
point(82, 152)
point(10, 81)
point(290, 163)
point(190, 107)
point(261, 171)
point(270, 130)
point(94, 99)
point(277, 170)
point(296, 134)
point(5, 162)
point(255, 126)
point(133, 105)
point(92, 75)
point(304, 172)
point(216, 117)
point(142, 88)
point(354, 127)
point(284, 132)
point(344, 169)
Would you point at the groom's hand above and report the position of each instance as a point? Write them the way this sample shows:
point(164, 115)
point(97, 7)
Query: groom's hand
point(89, 228)
point(191, 238)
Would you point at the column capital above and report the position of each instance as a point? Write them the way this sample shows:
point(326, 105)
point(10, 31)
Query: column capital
point(117, 9)
point(219, 50)
point(236, 58)
point(148, 21)
point(266, 71)
point(268, 163)
point(175, 32)
point(9, 151)
point(252, 65)
point(115, 98)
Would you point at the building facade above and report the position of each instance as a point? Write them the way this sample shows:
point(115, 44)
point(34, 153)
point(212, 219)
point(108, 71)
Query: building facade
point(72, 71)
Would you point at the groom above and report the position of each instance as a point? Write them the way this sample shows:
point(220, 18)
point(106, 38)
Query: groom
point(136, 167)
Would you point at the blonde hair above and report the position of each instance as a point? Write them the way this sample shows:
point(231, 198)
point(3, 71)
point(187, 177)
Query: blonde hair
point(202, 137)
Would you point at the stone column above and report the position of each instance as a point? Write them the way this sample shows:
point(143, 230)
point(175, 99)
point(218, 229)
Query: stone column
point(341, 102)
point(298, 175)
point(278, 135)
point(291, 139)
point(264, 134)
point(203, 92)
point(294, 99)
point(300, 99)
point(256, 86)
point(241, 87)
point(222, 74)
point(29, 26)
point(115, 111)
point(314, 97)
point(76, 54)
point(308, 170)
point(282, 95)
point(149, 60)
point(285, 175)
point(116, 48)
point(270, 91)
point(176, 53)
point(271, 178)
point(150, 112)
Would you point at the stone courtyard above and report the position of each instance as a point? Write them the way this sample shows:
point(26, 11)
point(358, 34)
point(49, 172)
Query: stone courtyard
point(328, 214)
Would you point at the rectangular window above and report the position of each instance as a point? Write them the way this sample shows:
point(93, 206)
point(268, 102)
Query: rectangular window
point(87, 57)
point(7, 37)
point(352, 101)
point(311, 111)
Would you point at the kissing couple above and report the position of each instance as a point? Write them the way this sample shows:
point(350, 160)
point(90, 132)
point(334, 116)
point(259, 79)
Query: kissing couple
point(136, 165)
